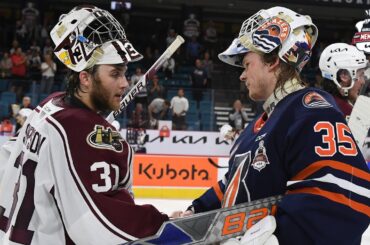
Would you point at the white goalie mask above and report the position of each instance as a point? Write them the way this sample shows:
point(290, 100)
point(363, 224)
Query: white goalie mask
point(341, 56)
point(89, 36)
point(278, 27)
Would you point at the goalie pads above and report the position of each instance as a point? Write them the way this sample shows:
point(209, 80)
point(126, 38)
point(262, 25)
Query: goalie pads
point(260, 233)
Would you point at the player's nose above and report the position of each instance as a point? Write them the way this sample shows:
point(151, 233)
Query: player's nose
point(123, 82)
point(243, 76)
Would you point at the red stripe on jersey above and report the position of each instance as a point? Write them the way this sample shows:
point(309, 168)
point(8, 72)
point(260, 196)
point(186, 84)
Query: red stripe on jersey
point(316, 166)
point(335, 197)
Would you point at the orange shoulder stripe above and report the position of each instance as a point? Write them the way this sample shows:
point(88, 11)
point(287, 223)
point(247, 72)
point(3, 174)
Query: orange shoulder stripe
point(260, 122)
point(218, 191)
point(316, 166)
point(335, 197)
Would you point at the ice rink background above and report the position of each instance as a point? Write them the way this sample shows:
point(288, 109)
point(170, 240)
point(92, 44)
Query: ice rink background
point(169, 205)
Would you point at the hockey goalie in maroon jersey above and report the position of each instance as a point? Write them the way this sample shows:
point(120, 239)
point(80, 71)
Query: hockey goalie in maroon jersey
point(69, 177)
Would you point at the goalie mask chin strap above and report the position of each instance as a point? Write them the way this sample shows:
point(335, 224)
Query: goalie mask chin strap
point(289, 87)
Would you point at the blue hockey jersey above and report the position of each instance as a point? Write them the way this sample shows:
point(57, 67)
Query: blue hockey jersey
point(305, 150)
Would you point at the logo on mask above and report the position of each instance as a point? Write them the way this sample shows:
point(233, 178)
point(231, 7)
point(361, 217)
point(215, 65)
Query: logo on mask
point(271, 34)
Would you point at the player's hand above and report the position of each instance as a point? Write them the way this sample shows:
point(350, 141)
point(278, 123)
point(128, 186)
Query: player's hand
point(176, 214)
point(187, 213)
point(181, 214)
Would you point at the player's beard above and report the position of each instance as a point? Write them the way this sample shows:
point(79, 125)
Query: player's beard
point(100, 97)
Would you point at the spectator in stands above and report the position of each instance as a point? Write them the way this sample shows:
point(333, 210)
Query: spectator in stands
point(15, 109)
point(34, 64)
point(149, 57)
point(198, 80)
point(158, 110)
point(19, 67)
point(15, 45)
point(156, 90)
point(18, 63)
point(171, 36)
point(168, 67)
point(20, 33)
point(138, 118)
point(179, 107)
point(47, 49)
point(207, 64)
point(142, 96)
point(238, 117)
point(210, 37)
point(45, 30)
point(27, 103)
point(6, 66)
point(156, 54)
point(193, 49)
point(343, 68)
point(34, 46)
point(48, 69)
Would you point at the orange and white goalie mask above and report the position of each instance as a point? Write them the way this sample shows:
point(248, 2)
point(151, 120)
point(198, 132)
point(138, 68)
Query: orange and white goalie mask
point(293, 34)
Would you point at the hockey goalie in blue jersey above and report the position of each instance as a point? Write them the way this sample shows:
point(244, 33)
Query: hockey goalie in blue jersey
point(300, 146)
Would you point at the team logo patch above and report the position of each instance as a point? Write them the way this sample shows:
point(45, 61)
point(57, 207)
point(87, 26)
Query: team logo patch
point(271, 34)
point(315, 100)
point(260, 159)
point(105, 139)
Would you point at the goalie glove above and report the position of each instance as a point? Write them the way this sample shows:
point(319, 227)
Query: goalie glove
point(260, 233)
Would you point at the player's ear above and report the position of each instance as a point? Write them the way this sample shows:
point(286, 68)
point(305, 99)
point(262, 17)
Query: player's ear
point(272, 66)
point(345, 79)
point(85, 78)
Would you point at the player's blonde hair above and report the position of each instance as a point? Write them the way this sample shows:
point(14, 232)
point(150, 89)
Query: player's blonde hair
point(285, 72)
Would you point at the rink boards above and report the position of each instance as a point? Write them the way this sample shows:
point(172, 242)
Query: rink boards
point(175, 176)
point(182, 165)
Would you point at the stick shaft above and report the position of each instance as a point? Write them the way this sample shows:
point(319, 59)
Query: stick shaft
point(147, 76)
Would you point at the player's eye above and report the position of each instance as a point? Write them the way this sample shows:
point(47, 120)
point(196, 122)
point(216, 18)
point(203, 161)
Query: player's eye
point(116, 74)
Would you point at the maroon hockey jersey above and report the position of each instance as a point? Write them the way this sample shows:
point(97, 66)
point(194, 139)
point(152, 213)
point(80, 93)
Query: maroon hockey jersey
point(69, 180)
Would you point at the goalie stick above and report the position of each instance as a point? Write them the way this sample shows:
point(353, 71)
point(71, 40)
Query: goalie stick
point(359, 121)
point(148, 75)
point(213, 226)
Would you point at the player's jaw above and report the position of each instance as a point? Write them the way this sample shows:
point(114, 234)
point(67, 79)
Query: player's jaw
point(109, 87)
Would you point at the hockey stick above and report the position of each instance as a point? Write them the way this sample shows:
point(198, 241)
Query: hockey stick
point(215, 164)
point(359, 121)
point(214, 226)
point(147, 76)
